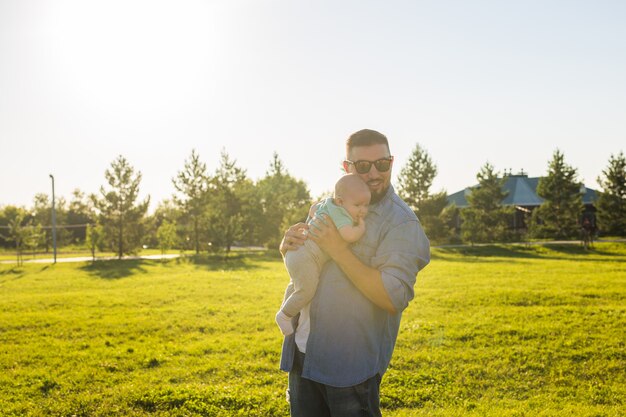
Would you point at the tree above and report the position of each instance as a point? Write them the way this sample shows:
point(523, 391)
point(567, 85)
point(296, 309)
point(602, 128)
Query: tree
point(119, 212)
point(612, 201)
point(485, 220)
point(168, 211)
point(558, 215)
point(42, 215)
point(7, 214)
point(32, 237)
point(16, 230)
point(416, 178)
point(414, 182)
point(94, 237)
point(283, 200)
point(166, 234)
point(451, 219)
point(431, 215)
point(79, 214)
point(192, 183)
point(227, 214)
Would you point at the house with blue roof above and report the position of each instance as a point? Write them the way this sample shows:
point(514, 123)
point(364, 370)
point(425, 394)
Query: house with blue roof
point(522, 194)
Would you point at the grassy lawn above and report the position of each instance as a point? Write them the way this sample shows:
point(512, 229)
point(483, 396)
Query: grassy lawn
point(493, 331)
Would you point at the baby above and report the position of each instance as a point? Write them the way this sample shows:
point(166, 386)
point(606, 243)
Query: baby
point(347, 208)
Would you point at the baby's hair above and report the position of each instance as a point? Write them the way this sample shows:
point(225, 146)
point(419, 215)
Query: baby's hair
point(350, 183)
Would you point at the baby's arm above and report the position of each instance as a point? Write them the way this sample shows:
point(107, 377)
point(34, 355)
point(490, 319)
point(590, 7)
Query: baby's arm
point(353, 233)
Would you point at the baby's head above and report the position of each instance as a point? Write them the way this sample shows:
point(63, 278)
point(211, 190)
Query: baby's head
point(353, 194)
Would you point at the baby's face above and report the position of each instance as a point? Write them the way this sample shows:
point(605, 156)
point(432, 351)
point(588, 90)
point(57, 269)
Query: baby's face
point(356, 204)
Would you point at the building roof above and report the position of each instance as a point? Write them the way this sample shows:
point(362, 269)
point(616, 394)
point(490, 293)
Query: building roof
point(521, 191)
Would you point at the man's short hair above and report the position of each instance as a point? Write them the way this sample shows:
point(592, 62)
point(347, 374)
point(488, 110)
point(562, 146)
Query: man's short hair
point(366, 137)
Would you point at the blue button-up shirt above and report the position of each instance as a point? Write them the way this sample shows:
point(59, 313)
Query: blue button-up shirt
point(351, 339)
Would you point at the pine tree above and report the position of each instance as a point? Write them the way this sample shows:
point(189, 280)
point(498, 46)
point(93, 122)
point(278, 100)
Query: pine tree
point(17, 221)
point(612, 201)
point(9, 224)
point(119, 212)
point(558, 216)
point(81, 211)
point(416, 178)
point(166, 234)
point(94, 236)
point(284, 201)
point(232, 213)
point(193, 183)
point(414, 182)
point(486, 220)
point(33, 237)
point(168, 210)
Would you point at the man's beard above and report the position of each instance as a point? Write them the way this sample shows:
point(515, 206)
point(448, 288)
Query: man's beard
point(376, 196)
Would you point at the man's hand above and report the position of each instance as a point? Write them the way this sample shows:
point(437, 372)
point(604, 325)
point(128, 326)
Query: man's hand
point(324, 232)
point(294, 237)
point(367, 279)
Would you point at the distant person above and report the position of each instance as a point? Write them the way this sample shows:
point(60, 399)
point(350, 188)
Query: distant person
point(347, 208)
point(344, 338)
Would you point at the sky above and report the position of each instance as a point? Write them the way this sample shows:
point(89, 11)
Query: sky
point(505, 82)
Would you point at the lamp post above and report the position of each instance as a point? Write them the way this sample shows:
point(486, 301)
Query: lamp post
point(54, 223)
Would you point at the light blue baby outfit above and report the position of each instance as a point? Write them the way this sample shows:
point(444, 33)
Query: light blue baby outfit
point(305, 264)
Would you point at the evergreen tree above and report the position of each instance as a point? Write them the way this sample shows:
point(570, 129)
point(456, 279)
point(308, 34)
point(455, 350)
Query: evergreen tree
point(432, 217)
point(612, 201)
point(166, 234)
point(42, 215)
point(33, 237)
point(94, 237)
point(558, 216)
point(414, 182)
point(451, 219)
point(193, 183)
point(229, 213)
point(15, 217)
point(284, 201)
point(7, 215)
point(416, 178)
point(80, 212)
point(168, 211)
point(486, 220)
point(120, 214)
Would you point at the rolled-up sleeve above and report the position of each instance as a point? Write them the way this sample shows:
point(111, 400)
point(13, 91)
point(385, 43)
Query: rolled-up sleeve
point(403, 252)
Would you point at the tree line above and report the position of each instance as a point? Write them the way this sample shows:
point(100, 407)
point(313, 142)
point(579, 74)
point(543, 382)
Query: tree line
point(560, 216)
point(213, 211)
point(210, 211)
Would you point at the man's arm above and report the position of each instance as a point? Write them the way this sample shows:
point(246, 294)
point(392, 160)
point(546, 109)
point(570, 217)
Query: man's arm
point(368, 280)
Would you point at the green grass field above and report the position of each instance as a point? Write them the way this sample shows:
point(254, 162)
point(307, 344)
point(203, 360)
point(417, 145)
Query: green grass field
point(493, 331)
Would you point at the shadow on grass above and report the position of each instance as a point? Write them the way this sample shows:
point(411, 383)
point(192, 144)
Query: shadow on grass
point(572, 252)
point(240, 260)
point(11, 274)
point(233, 261)
point(116, 269)
point(15, 270)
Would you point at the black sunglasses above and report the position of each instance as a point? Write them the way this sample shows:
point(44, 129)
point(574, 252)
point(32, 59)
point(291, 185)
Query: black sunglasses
point(363, 167)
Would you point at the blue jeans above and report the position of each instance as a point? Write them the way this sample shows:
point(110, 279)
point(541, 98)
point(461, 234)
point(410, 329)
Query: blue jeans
point(311, 399)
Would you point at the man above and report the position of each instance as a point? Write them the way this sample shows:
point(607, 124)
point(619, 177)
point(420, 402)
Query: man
point(345, 338)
